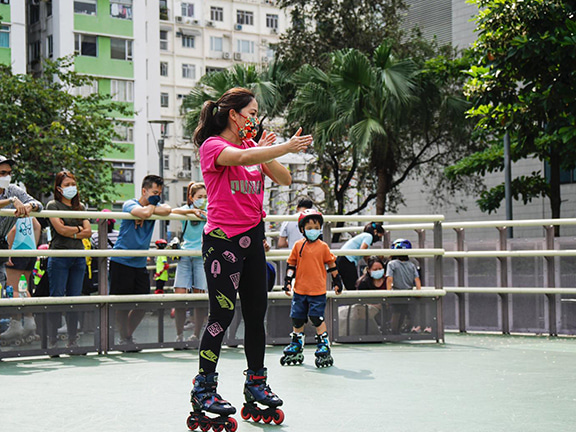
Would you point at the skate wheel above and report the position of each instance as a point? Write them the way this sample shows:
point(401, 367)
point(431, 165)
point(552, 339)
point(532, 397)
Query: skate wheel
point(256, 417)
point(205, 424)
point(218, 428)
point(267, 419)
point(232, 425)
point(244, 413)
point(191, 423)
point(17, 342)
point(278, 416)
point(282, 361)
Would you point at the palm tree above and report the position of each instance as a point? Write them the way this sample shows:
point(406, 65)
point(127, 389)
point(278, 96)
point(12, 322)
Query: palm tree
point(355, 109)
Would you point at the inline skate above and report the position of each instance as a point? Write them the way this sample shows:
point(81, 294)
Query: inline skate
point(293, 353)
point(323, 357)
point(257, 390)
point(14, 334)
point(205, 398)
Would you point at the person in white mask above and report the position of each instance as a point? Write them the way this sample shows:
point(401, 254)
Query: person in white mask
point(66, 274)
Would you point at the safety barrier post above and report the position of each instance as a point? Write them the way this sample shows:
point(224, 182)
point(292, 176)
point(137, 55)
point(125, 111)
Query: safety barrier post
point(103, 285)
point(438, 278)
point(422, 261)
point(504, 298)
point(551, 282)
point(462, 297)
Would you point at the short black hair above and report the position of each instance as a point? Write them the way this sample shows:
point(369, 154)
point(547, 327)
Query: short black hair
point(150, 180)
point(305, 202)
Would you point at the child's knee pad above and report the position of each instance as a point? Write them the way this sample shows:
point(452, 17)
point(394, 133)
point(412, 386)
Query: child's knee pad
point(298, 322)
point(316, 321)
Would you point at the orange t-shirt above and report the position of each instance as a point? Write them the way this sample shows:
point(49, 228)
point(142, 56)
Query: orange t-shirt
point(310, 266)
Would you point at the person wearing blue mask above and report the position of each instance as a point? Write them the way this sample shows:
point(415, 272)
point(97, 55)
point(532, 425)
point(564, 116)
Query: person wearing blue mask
point(374, 278)
point(306, 277)
point(66, 274)
point(128, 275)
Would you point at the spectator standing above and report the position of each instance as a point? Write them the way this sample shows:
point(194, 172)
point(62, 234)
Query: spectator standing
point(348, 264)
point(128, 275)
point(66, 274)
point(289, 232)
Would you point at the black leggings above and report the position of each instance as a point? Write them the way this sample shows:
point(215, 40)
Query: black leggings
point(231, 265)
point(348, 271)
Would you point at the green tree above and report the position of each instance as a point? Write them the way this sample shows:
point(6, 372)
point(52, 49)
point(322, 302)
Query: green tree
point(523, 83)
point(47, 128)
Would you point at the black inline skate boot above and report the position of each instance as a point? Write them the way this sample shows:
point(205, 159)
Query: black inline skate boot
point(257, 390)
point(323, 357)
point(293, 353)
point(205, 398)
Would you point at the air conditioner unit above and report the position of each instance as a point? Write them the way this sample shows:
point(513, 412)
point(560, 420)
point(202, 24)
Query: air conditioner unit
point(238, 56)
point(195, 22)
point(237, 26)
point(274, 31)
point(178, 34)
point(264, 59)
point(184, 174)
point(178, 19)
point(209, 24)
point(226, 55)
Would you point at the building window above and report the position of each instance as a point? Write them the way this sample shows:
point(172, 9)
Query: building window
point(216, 43)
point(86, 7)
point(35, 51)
point(86, 45)
point(187, 163)
point(120, 49)
point(244, 17)
point(86, 89)
point(5, 1)
point(49, 8)
point(121, 9)
point(272, 21)
point(189, 71)
point(123, 172)
point(164, 69)
point(216, 13)
point(34, 13)
point(164, 100)
point(188, 10)
point(166, 193)
point(124, 133)
point(4, 36)
point(212, 69)
point(122, 91)
point(164, 40)
point(50, 46)
point(245, 46)
point(188, 41)
point(166, 161)
point(185, 194)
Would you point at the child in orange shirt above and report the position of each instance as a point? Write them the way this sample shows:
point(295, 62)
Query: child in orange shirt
point(307, 265)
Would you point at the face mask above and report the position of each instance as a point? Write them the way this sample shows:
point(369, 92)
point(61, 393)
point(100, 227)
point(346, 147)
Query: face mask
point(69, 192)
point(377, 274)
point(200, 203)
point(312, 234)
point(5, 182)
point(250, 128)
point(154, 199)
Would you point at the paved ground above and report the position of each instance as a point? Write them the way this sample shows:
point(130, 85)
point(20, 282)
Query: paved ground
point(471, 383)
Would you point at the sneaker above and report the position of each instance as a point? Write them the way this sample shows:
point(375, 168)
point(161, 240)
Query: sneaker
point(428, 330)
point(189, 326)
point(192, 338)
point(159, 291)
point(416, 329)
point(180, 338)
point(130, 345)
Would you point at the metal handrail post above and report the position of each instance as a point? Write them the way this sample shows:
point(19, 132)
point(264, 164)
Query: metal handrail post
point(551, 283)
point(462, 297)
point(504, 298)
point(103, 285)
point(438, 278)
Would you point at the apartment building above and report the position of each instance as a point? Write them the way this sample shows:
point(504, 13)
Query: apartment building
point(13, 35)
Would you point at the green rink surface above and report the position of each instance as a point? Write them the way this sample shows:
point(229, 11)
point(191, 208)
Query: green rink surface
point(470, 383)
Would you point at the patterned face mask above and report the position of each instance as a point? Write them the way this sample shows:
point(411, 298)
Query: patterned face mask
point(250, 128)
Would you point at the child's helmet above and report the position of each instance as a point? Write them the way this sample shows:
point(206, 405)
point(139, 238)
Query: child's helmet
point(161, 243)
point(307, 214)
point(401, 244)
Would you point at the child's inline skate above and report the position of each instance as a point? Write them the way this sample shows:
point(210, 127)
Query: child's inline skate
point(293, 353)
point(205, 398)
point(323, 357)
point(257, 390)
point(14, 334)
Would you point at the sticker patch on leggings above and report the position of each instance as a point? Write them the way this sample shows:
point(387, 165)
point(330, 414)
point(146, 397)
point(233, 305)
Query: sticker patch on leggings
point(215, 329)
point(216, 268)
point(245, 242)
point(209, 355)
point(235, 278)
point(229, 256)
point(224, 302)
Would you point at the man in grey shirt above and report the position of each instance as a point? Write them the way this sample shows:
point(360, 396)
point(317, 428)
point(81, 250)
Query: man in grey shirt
point(11, 197)
point(289, 231)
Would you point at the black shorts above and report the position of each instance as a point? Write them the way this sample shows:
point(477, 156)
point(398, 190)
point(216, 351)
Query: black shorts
point(22, 263)
point(125, 280)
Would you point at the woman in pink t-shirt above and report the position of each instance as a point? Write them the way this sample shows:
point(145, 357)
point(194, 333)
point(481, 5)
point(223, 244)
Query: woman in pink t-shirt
point(233, 167)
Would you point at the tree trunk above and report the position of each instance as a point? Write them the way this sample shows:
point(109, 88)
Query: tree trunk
point(555, 196)
point(381, 189)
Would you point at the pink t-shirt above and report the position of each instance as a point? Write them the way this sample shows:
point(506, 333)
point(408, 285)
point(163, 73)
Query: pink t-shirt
point(235, 193)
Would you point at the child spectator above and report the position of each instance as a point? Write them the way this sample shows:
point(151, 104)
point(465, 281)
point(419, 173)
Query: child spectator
point(307, 268)
point(289, 231)
point(162, 266)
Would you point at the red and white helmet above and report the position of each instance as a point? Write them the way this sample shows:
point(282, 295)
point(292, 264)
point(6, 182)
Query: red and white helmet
point(307, 214)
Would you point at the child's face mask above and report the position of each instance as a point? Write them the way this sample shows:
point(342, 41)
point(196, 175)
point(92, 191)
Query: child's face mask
point(312, 234)
point(250, 128)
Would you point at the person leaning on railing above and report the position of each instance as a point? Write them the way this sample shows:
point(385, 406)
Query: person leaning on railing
point(66, 274)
